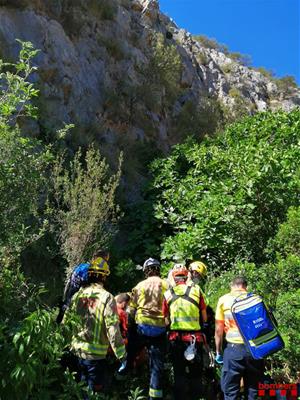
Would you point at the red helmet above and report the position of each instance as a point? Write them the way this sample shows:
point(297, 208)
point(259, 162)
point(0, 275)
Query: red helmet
point(179, 270)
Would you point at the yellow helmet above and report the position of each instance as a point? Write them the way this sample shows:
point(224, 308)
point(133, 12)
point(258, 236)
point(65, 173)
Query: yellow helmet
point(199, 267)
point(99, 266)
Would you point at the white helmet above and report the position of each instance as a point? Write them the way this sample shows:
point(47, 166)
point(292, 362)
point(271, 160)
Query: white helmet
point(151, 262)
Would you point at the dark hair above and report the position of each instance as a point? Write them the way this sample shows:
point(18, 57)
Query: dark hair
point(152, 270)
point(122, 297)
point(101, 253)
point(239, 281)
point(95, 278)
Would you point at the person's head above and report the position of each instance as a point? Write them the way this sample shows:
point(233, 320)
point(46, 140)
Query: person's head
point(180, 273)
point(98, 271)
point(151, 267)
point(101, 254)
point(122, 300)
point(239, 282)
point(198, 271)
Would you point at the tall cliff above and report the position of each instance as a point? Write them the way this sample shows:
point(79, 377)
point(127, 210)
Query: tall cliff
point(125, 74)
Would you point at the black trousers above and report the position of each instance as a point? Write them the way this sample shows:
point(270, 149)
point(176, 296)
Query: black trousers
point(187, 374)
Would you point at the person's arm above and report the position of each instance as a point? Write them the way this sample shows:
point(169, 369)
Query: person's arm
point(219, 333)
point(203, 309)
point(166, 312)
point(112, 325)
point(132, 306)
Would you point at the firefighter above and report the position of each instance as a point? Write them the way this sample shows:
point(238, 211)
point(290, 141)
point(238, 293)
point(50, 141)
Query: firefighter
point(147, 324)
point(96, 328)
point(183, 308)
point(76, 280)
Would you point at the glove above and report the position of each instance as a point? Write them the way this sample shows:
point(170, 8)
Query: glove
point(219, 359)
point(123, 367)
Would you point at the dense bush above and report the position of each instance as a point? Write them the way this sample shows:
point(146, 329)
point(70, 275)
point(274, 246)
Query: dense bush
point(224, 198)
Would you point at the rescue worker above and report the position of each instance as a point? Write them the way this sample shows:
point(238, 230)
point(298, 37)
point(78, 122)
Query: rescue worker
point(98, 327)
point(182, 307)
point(149, 326)
point(76, 280)
point(238, 362)
point(198, 271)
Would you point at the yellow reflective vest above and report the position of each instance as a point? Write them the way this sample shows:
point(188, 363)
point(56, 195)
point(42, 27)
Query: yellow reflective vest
point(184, 307)
point(98, 323)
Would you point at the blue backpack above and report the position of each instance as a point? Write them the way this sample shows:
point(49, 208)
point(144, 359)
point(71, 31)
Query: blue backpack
point(257, 326)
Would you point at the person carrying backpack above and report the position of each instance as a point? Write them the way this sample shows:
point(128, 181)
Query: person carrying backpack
point(97, 327)
point(76, 280)
point(147, 324)
point(183, 308)
point(237, 360)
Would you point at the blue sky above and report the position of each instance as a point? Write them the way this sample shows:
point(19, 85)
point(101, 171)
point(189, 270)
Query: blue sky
point(267, 30)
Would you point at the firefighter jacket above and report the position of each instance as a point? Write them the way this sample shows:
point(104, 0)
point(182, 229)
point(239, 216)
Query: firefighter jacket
point(184, 305)
point(146, 301)
point(98, 323)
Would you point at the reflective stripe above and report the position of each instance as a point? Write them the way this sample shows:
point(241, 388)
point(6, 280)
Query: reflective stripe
point(156, 393)
point(185, 319)
point(111, 320)
point(184, 306)
point(92, 348)
point(233, 334)
point(263, 339)
point(141, 319)
point(120, 351)
point(98, 320)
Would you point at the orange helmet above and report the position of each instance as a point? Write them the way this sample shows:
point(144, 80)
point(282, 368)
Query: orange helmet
point(179, 270)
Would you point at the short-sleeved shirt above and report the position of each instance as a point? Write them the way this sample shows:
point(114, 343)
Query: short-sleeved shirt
point(146, 301)
point(223, 314)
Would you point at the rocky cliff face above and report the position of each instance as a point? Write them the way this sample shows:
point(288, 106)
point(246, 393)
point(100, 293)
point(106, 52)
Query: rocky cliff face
point(95, 71)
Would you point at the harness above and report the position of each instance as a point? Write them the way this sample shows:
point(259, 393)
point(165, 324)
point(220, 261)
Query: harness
point(185, 296)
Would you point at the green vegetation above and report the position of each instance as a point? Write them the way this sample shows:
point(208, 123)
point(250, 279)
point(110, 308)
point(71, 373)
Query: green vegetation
point(231, 199)
point(31, 342)
point(286, 85)
point(84, 209)
point(211, 43)
point(198, 120)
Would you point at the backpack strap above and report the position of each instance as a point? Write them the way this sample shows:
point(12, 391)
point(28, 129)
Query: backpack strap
point(185, 296)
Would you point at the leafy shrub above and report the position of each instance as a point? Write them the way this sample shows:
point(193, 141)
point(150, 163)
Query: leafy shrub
point(265, 72)
point(228, 67)
point(241, 107)
point(211, 43)
point(24, 161)
point(198, 119)
point(84, 209)
point(243, 59)
point(202, 58)
point(286, 85)
point(224, 199)
point(165, 67)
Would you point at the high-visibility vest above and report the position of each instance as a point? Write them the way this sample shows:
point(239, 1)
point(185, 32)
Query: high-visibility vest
point(184, 307)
